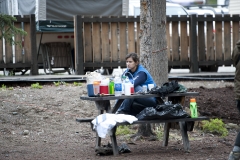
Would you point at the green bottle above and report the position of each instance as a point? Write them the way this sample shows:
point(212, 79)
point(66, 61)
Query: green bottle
point(193, 108)
point(111, 87)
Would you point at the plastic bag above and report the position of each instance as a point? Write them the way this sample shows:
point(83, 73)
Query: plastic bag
point(165, 89)
point(93, 76)
point(123, 148)
point(108, 150)
point(163, 111)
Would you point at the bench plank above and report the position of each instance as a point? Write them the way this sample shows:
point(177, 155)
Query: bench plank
point(165, 120)
point(150, 121)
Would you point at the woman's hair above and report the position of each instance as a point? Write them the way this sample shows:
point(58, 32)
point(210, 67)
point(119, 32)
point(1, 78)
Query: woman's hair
point(134, 56)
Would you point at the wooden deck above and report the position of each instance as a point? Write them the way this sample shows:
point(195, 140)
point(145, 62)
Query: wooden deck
point(229, 76)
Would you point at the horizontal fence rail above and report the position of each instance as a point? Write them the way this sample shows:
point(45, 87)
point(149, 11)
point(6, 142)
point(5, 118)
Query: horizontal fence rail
point(193, 41)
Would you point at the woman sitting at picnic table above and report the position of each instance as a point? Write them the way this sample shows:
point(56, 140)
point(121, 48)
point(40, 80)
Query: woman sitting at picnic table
point(139, 77)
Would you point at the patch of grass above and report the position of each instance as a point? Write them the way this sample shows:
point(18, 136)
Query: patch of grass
point(10, 88)
point(77, 84)
point(215, 126)
point(56, 83)
point(4, 87)
point(36, 86)
point(159, 132)
point(124, 130)
point(60, 83)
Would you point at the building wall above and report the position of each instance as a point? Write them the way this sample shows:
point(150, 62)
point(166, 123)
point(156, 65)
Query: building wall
point(234, 7)
point(9, 7)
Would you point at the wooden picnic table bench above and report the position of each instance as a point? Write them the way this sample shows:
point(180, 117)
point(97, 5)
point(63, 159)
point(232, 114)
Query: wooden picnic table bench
point(186, 124)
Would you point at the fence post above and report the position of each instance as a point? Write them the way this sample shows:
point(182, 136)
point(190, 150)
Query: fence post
point(78, 34)
point(194, 68)
point(34, 62)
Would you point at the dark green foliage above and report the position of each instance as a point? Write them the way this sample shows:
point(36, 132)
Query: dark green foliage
point(8, 30)
point(215, 126)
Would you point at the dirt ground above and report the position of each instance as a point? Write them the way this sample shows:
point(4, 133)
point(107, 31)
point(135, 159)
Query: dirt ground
point(40, 124)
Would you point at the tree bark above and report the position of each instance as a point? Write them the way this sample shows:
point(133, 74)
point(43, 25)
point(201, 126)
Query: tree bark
point(145, 130)
point(153, 45)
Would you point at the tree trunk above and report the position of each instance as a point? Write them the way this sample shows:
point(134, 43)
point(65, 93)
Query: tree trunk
point(145, 130)
point(153, 44)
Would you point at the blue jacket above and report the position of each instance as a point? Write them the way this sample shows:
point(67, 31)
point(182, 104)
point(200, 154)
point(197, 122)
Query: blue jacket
point(133, 76)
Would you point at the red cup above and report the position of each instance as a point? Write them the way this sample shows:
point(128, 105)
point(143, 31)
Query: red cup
point(132, 90)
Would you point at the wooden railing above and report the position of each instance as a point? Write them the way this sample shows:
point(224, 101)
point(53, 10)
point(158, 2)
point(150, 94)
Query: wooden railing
point(193, 42)
point(15, 58)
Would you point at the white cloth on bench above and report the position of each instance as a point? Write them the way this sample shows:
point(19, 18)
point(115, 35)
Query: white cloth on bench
point(105, 122)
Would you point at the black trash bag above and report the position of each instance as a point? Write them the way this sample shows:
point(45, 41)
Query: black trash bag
point(123, 148)
point(163, 111)
point(106, 150)
point(137, 108)
point(165, 89)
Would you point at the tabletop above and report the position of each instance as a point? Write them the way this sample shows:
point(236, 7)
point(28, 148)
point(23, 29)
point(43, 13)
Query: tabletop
point(112, 97)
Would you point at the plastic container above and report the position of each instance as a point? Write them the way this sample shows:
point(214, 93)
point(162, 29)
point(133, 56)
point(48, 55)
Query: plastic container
point(150, 86)
point(104, 89)
point(118, 86)
point(96, 87)
point(117, 71)
point(111, 87)
point(127, 86)
point(90, 90)
point(193, 108)
point(132, 89)
point(104, 86)
point(123, 84)
point(144, 88)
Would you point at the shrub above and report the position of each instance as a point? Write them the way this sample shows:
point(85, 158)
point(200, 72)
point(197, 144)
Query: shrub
point(215, 126)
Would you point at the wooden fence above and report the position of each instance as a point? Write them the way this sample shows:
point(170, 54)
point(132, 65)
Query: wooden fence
point(15, 58)
point(193, 42)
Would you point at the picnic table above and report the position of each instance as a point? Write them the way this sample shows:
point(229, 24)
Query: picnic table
point(103, 105)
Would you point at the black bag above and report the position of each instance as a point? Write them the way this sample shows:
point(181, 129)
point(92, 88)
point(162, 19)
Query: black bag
point(165, 89)
point(164, 111)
